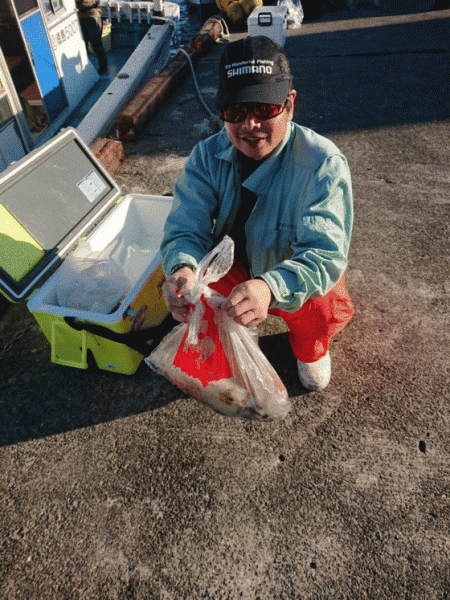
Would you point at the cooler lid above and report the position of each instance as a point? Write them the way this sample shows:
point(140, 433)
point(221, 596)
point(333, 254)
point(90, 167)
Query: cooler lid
point(48, 200)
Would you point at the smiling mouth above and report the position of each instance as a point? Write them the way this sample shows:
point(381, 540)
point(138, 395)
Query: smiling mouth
point(252, 139)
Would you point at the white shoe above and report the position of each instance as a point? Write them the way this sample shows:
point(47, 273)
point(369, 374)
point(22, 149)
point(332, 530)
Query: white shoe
point(316, 375)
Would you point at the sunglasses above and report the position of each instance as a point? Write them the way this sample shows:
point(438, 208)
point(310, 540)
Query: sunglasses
point(239, 112)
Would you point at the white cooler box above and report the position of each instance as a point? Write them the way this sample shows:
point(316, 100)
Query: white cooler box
point(270, 21)
point(50, 201)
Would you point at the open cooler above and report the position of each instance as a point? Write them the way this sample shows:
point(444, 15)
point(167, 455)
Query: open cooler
point(52, 202)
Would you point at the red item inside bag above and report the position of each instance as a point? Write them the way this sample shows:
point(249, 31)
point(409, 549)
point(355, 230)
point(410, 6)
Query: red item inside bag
point(206, 361)
point(216, 360)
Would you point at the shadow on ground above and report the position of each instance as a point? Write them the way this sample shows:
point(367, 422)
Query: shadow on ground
point(41, 399)
point(350, 74)
point(371, 77)
point(337, 10)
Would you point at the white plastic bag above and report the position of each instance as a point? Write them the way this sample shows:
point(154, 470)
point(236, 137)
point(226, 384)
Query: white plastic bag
point(91, 281)
point(136, 257)
point(217, 361)
point(295, 15)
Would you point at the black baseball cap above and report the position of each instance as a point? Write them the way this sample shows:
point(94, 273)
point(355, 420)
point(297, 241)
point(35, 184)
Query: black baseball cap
point(254, 69)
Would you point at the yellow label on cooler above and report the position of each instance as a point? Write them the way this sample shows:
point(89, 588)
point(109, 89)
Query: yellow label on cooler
point(19, 251)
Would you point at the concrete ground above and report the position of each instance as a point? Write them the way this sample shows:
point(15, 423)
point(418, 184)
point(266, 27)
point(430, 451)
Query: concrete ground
point(121, 488)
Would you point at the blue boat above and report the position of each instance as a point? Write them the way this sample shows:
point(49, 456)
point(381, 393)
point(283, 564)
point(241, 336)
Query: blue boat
point(47, 74)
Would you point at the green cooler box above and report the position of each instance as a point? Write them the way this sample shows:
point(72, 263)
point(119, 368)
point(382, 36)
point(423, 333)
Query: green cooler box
point(50, 200)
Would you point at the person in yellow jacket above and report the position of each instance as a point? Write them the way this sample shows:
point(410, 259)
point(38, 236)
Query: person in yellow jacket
point(238, 10)
point(90, 15)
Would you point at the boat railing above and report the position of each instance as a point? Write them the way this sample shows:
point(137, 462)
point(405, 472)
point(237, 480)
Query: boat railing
point(118, 10)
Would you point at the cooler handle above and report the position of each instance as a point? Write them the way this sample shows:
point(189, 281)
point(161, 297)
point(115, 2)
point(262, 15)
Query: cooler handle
point(265, 19)
point(67, 348)
point(136, 340)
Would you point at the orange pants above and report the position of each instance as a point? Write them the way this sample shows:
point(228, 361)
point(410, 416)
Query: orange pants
point(310, 327)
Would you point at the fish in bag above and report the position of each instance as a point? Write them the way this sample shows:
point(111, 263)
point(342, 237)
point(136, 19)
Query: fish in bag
point(214, 359)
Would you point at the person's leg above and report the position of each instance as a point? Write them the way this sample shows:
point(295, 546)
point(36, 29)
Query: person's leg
point(317, 321)
point(311, 329)
point(84, 30)
point(91, 28)
point(98, 47)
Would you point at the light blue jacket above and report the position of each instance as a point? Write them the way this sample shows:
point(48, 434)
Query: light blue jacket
point(298, 233)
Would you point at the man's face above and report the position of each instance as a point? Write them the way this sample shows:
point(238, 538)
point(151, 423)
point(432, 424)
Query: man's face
point(257, 139)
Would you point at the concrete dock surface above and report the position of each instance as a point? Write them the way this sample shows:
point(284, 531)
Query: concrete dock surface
point(119, 487)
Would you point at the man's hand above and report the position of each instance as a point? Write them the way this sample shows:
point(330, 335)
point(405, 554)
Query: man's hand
point(248, 302)
point(173, 293)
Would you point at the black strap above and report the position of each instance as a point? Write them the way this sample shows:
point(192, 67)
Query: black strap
point(136, 340)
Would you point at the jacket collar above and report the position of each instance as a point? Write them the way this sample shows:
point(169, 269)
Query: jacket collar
point(270, 166)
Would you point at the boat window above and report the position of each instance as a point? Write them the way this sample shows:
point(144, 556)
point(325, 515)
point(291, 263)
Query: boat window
point(22, 75)
point(52, 7)
point(5, 108)
point(24, 6)
point(56, 5)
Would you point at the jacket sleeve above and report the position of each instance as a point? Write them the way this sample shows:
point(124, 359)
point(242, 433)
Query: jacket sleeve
point(188, 228)
point(320, 240)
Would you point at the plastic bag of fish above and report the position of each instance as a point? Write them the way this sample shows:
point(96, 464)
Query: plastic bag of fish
point(217, 361)
point(91, 281)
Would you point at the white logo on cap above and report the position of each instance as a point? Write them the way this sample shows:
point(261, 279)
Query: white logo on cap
point(249, 66)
